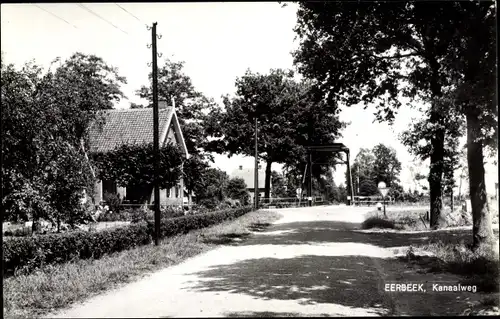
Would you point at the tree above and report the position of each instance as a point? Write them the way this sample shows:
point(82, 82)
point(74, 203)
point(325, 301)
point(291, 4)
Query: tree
point(215, 189)
point(293, 181)
point(362, 171)
point(376, 53)
point(191, 105)
point(342, 193)
point(370, 167)
point(288, 120)
point(450, 165)
point(279, 187)
point(397, 192)
point(462, 171)
point(471, 60)
point(330, 190)
point(267, 98)
point(194, 169)
point(386, 167)
point(368, 188)
point(418, 140)
point(133, 166)
point(45, 118)
point(237, 189)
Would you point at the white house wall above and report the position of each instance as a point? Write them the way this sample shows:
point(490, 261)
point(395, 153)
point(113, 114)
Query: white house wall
point(122, 191)
point(171, 135)
point(98, 192)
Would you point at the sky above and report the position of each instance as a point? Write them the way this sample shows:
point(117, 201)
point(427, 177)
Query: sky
point(217, 41)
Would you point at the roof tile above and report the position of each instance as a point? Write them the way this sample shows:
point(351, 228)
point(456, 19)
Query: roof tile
point(126, 126)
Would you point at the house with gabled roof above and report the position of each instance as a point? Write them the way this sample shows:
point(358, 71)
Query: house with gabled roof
point(135, 126)
point(248, 175)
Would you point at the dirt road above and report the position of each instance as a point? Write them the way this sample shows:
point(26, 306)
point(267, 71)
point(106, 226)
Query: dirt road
point(312, 262)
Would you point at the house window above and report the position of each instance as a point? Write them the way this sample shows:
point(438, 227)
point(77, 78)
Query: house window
point(137, 194)
point(177, 191)
point(168, 192)
point(108, 187)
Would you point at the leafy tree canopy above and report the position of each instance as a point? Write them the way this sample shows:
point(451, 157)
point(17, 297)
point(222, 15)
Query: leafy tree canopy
point(191, 105)
point(288, 120)
point(237, 189)
point(45, 117)
point(133, 165)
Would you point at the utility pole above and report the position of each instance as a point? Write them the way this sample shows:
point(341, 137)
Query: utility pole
point(357, 193)
point(156, 142)
point(347, 152)
point(309, 191)
point(256, 169)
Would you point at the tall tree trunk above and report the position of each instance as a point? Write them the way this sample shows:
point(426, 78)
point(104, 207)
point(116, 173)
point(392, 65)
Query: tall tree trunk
point(35, 227)
point(460, 190)
point(437, 155)
point(436, 179)
point(267, 185)
point(190, 200)
point(481, 219)
point(451, 200)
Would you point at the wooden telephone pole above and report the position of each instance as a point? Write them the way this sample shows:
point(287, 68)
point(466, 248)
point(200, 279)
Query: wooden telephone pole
point(156, 138)
point(256, 168)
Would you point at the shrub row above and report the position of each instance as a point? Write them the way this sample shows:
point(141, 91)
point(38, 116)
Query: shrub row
point(138, 214)
point(28, 253)
point(181, 225)
point(19, 232)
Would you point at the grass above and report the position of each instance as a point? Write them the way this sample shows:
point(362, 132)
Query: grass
point(479, 267)
point(414, 220)
point(56, 287)
point(396, 219)
point(267, 314)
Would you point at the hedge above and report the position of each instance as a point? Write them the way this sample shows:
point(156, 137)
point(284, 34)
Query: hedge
point(29, 253)
point(179, 225)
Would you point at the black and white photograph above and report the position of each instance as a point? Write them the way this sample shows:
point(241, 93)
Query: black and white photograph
point(249, 159)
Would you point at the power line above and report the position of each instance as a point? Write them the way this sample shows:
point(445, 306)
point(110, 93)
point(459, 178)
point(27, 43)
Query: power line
point(91, 11)
point(128, 12)
point(55, 15)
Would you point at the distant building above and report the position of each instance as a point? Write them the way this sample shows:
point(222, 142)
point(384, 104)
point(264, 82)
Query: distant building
point(248, 175)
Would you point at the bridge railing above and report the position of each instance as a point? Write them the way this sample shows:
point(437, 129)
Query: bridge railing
point(284, 202)
point(371, 200)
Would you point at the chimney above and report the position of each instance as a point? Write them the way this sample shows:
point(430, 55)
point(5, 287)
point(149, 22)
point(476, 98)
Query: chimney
point(241, 167)
point(162, 104)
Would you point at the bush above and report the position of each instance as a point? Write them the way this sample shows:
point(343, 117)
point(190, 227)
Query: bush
point(138, 215)
point(141, 215)
point(377, 222)
point(113, 201)
point(172, 212)
point(223, 205)
point(28, 253)
point(199, 209)
point(181, 225)
point(114, 216)
point(18, 232)
point(209, 203)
